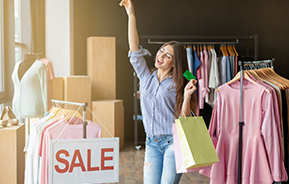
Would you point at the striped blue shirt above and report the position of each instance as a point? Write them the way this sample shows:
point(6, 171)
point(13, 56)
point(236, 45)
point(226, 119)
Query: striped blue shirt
point(157, 99)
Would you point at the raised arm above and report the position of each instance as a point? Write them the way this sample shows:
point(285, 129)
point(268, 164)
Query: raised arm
point(133, 38)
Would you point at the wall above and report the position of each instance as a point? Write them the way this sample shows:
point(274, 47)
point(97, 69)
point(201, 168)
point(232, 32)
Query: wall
point(266, 18)
point(57, 35)
point(9, 48)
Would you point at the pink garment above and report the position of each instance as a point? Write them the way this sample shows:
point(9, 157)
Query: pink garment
point(261, 148)
point(200, 73)
point(50, 77)
point(277, 112)
point(42, 136)
point(71, 132)
point(203, 80)
point(49, 68)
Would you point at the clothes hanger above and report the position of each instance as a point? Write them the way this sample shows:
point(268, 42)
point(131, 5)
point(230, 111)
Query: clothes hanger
point(223, 50)
point(234, 49)
point(269, 75)
point(238, 77)
point(276, 79)
point(245, 76)
point(252, 71)
point(72, 113)
point(205, 47)
point(230, 49)
point(54, 109)
point(57, 114)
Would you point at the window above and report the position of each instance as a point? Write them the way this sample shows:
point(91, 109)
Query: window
point(2, 74)
point(17, 20)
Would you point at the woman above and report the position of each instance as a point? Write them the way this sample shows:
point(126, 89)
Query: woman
point(165, 95)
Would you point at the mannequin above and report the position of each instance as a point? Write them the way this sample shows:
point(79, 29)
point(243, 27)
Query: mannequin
point(25, 64)
point(30, 88)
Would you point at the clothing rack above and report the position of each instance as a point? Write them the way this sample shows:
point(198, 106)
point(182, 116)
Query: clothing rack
point(190, 40)
point(241, 122)
point(84, 105)
point(198, 43)
point(213, 40)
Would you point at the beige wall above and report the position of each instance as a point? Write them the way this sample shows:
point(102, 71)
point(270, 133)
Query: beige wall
point(57, 31)
point(9, 49)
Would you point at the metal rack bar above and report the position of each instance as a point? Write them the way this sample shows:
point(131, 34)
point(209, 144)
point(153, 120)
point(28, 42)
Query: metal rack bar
point(189, 43)
point(196, 37)
point(193, 39)
point(84, 105)
point(136, 142)
point(241, 122)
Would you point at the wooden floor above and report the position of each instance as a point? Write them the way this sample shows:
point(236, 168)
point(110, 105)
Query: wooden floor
point(131, 168)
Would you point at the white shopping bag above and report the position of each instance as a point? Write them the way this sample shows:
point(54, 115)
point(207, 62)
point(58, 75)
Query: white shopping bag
point(84, 161)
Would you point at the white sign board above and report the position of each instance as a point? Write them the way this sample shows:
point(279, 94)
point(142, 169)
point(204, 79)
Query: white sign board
point(86, 161)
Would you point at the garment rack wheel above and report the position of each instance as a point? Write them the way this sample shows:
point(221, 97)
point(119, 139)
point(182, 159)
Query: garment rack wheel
point(138, 147)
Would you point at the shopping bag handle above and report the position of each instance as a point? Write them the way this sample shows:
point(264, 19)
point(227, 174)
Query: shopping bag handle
point(191, 113)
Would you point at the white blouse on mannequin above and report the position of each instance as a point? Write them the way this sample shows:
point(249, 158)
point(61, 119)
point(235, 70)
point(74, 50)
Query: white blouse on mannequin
point(30, 93)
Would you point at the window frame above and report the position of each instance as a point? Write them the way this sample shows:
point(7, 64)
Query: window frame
point(2, 63)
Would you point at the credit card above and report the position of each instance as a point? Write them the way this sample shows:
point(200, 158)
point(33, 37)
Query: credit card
point(189, 75)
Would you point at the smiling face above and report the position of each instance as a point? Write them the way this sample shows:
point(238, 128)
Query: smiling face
point(164, 58)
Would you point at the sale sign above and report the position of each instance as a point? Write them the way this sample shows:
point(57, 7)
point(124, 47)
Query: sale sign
point(86, 161)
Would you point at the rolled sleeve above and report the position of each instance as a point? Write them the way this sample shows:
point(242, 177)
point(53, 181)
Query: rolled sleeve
point(139, 53)
point(138, 62)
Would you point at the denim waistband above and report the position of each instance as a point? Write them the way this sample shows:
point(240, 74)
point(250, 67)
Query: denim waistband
point(159, 136)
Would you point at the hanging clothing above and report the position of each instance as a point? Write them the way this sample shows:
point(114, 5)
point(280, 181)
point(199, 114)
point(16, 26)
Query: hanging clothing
point(285, 108)
point(32, 160)
point(223, 69)
point(30, 93)
point(203, 78)
point(50, 77)
point(236, 65)
point(190, 58)
point(214, 78)
point(37, 145)
point(200, 85)
point(232, 64)
point(197, 63)
point(262, 152)
point(72, 131)
point(208, 68)
point(228, 69)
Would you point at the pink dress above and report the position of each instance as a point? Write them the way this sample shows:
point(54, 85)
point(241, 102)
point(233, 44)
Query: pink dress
point(262, 161)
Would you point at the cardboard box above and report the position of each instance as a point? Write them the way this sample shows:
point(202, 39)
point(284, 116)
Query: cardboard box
point(110, 113)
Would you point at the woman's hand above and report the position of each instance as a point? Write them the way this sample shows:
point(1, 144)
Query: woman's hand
point(190, 88)
point(128, 6)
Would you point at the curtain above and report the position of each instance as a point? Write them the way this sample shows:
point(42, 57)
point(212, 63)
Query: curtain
point(37, 12)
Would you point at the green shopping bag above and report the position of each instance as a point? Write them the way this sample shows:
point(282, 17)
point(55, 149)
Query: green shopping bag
point(196, 144)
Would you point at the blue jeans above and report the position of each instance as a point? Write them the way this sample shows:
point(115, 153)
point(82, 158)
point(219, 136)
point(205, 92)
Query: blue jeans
point(159, 162)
